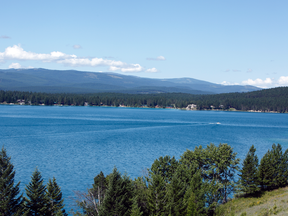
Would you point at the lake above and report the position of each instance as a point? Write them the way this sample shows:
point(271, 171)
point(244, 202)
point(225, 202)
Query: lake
point(74, 144)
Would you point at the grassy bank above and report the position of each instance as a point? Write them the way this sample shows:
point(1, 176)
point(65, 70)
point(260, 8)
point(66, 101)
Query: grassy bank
point(267, 203)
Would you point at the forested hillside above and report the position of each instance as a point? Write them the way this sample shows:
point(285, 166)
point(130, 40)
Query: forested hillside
point(275, 99)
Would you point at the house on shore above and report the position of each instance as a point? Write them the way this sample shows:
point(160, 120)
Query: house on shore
point(191, 107)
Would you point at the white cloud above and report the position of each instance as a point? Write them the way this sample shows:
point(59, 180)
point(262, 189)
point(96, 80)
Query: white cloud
point(77, 46)
point(263, 83)
point(268, 82)
point(228, 83)
point(152, 70)
point(15, 65)
point(126, 68)
point(16, 52)
point(159, 58)
point(283, 81)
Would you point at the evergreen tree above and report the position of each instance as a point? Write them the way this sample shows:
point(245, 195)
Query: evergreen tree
point(118, 197)
point(283, 179)
point(265, 171)
point(156, 194)
point(195, 196)
point(10, 198)
point(249, 173)
point(91, 202)
point(141, 194)
point(99, 187)
point(136, 209)
point(175, 196)
point(273, 169)
point(276, 160)
point(191, 205)
point(54, 196)
point(165, 166)
point(36, 201)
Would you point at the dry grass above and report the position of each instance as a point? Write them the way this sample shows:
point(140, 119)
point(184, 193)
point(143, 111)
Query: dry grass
point(268, 203)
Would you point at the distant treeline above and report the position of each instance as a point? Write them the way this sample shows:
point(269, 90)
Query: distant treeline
point(275, 99)
point(196, 184)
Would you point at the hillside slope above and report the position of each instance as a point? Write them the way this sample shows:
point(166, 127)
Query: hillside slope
point(269, 203)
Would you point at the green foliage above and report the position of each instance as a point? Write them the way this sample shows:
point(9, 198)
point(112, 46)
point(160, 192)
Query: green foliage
point(249, 173)
point(191, 207)
point(175, 196)
point(198, 184)
point(273, 168)
point(141, 194)
point(136, 209)
point(195, 196)
point(36, 202)
point(157, 194)
point(118, 197)
point(54, 196)
point(99, 187)
point(165, 166)
point(265, 171)
point(217, 166)
point(10, 198)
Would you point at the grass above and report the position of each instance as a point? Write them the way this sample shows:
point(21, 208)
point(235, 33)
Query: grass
point(267, 203)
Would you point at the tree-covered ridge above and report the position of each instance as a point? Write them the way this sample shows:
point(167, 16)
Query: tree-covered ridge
point(275, 99)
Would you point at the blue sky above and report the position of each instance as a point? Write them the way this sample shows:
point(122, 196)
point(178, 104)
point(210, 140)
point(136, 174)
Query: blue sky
point(228, 42)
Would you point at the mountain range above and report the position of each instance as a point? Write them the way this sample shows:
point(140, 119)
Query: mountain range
point(72, 81)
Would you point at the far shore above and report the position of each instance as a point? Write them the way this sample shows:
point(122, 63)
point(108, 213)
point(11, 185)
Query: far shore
point(145, 107)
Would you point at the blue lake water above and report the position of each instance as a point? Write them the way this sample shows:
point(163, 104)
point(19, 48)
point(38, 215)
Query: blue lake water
point(74, 144)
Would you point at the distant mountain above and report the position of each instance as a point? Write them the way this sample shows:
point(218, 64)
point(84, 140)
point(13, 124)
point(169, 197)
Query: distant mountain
point(72, 81)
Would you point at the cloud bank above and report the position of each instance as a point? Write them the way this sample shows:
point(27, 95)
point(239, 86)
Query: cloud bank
point(265, 83)
point(159, 58)
point(16, 52)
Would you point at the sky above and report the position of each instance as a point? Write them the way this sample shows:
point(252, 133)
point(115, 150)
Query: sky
point(227, 42)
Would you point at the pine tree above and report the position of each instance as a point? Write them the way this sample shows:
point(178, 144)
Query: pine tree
point(136, 209)
point(272, 169)
point(10, 198)
point(191, 205)
point(156, 194)
point(141, 194)
point(165, 166)
point(99, 187)
point(36, 201)
point(195, 196)
point(265, 171)
point(249, 173)
point(118, 197)
point(175, 196)
point(54, 196)
point(283, 180)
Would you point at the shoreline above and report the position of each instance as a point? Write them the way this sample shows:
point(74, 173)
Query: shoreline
point(183, 109)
